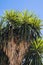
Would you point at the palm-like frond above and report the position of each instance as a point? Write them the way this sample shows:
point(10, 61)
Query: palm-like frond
point(35, 53)
point(23, 26)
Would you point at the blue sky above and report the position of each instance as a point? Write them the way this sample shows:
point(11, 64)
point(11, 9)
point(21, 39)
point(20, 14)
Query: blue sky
point(32, 5)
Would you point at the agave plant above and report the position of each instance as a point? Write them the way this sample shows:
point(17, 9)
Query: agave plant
point(34, 55)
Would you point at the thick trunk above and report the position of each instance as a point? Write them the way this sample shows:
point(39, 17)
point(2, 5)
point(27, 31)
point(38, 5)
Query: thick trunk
point(16, 52)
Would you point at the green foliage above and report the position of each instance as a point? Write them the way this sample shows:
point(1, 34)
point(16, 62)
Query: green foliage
point(22, 26)
point(25, 22)
point(17, 17)
point(34, 55)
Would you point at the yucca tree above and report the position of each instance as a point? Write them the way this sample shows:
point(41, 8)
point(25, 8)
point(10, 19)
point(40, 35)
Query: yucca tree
point(23, 24)
point(23, 27)
point(34, 55)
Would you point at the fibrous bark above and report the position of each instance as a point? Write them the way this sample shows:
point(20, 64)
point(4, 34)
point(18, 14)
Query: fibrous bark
point(16, 52)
